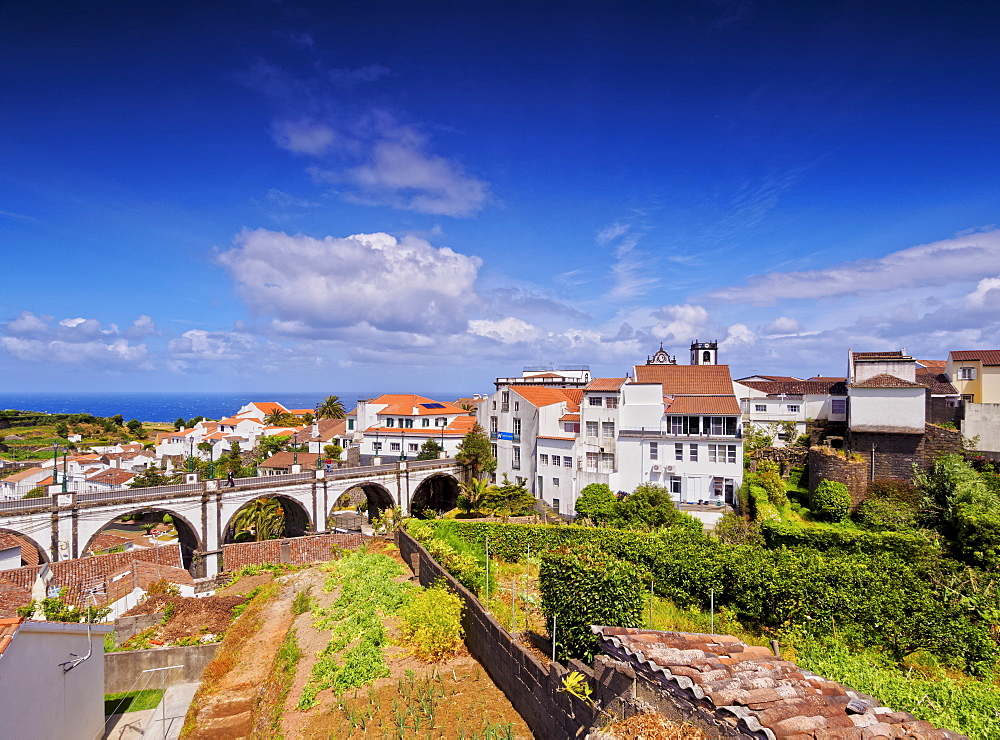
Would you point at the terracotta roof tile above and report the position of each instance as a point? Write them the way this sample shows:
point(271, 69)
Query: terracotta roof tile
point(112, 477)
point(8, 627)
point(28, 552)
point(753, 690)
point(877, 356)
point(985, 356)
point(605, 384)
point(702, 405)
point(538, 396)
point(934, 379)
point(687, 379)
point(884, 380)
point(824, 387)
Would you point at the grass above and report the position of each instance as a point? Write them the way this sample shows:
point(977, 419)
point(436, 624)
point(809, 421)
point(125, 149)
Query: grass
point(132, 701)
point(270, 703)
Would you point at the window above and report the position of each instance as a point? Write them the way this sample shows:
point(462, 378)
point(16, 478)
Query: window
point(493, 423)
point(676, 425)
point(718, 425)
point(611, 402)
point(759, 407)
point(555, 505)
point(572, 427)
point(516, 425)
point(966, 373)
point(678, 451)
point(394, 447)
point(402, 423)
point(838, 406)
point(793, 408)
point(567, 462)
point(693, 453)
point(516, 463)
point(591, 428)
point(607, 462)
point(654, 452)
point(967, 397)
point(596, 401)
point(543, 459)
point(517, 405)
point(505, 397)
point(722, 453)
point(377, 446)
point(427, 422)
point(592, 458)
point(413, 447)
point(350, 423)
point(675, 486)
point(493, 449)
point(541, 480)
point(494, 405)
point(953, 403)
point(390, 422)
point(608, 429)
point(555, 482)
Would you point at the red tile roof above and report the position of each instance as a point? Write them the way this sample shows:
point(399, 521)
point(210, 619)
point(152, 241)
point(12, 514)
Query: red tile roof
point(605, 384)
point(937, 364)
point(112, 477)
point(699, 380)
point(702, 405)
point(106, 541)
point(22, 474)
point(569, 417)
point(884, 380)
point(409, 404)
point(540, 396)
point(826, 386)
point(934, 379)
point(7, 629)
point(749, 689)
point(985, 356)
point(28, 552)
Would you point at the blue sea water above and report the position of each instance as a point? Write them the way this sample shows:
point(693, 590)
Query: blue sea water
point(165, 407)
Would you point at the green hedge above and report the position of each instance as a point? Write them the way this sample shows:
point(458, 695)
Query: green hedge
point(907, 545)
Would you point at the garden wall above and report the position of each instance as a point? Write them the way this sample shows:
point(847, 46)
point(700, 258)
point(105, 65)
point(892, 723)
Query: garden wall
point(294, 550)
point(896, 454)
point(825, 464)
point(533, 687)
point(123, 671)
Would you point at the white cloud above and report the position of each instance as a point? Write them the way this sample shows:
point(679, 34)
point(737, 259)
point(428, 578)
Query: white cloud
point(986, 296)
point(962, 259)
point(505, 331)
point(199, 344)
point(680, 323)
point(77, 341)
point(782, 325)
point(303, 136)
point(631, 270)
point(142, 327)
point(737, 335)
point(375, 279)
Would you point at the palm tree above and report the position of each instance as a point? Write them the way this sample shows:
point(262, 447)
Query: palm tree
point(331, 408)
point(263, 516)
point(475, 492)
point(275, 418)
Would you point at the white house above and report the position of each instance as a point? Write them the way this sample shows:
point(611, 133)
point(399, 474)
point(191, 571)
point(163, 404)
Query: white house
point(51, 679)
point(396, 425)
point(767, 402)
point(884, 395)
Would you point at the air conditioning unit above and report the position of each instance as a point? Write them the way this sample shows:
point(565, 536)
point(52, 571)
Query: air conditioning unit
point(668, 468)
point(655, 469)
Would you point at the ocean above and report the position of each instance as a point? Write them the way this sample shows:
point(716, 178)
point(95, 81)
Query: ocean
point(165, 407)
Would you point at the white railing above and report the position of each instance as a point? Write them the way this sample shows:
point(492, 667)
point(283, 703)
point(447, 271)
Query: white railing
point(27, 504)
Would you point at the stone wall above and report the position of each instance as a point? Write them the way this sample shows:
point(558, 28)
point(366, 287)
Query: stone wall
point(126, 627)
point(786, 458)
point(294, 550)
point(825, 464)
point(532, 687)
point(123, 671)
point(983, 420)
point(896, 454)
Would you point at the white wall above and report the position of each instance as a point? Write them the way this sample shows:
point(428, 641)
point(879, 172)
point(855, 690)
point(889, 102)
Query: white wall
point(38, 700)
point(983, 420)
point(887, 409)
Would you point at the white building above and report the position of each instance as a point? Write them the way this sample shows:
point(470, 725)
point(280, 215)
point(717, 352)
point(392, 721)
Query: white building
point(765, 403)
point(668, 424)
point(395, 426)
point(884, 395)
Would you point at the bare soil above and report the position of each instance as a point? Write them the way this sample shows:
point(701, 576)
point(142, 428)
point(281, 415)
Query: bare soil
point(653, 727)
point(190, 617)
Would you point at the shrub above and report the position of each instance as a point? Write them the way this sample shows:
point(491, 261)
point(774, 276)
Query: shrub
point(831, 501)
point(650, 506)
point(167, 519)
point(761, 508)
point(597, 503)
point(886, 513)
point(734, 529)
point(897, 490)
point(432, 623)
point(771, 481)
point(586, 586)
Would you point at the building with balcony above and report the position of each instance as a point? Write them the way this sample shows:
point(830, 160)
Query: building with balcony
point(395, 426)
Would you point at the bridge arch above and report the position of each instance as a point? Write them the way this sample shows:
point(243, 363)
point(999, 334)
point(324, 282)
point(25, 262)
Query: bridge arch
point(438, 492)
point(297, 521)
point(187, 533)
point(27, 541)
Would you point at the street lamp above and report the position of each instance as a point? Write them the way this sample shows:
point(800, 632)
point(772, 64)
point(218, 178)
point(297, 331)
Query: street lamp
point(65, 475)
point(190, 454)
point(211, 463)
point(55, 463)
point(295, 448)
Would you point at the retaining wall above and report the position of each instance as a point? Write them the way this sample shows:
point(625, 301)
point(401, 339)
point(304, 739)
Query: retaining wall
point(824, 464)
point(294, 550)
point(123, 671)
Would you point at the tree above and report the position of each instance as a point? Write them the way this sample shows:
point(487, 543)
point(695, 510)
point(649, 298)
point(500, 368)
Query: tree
point(756, 438)
point(135, 428)
point(267, 446)
point(509, 499)
point(331, 408)
point(153, 476)
point(475, 452)
point(279, 418)
point(333, 451)
point(473, 494)
point(264, 517)
point(831, 501)
point(178, 423)
point(651, 506)
point(308, 418)
point(232, 460)
point(118, 419)
point(597, 503)
point(62, 430)
point(429, 450)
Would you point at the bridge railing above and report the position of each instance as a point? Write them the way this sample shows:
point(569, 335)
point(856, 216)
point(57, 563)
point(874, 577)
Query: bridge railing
point(26, 504)
point(153, 492)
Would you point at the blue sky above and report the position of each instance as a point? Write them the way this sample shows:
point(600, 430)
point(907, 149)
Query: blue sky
point(294, 195)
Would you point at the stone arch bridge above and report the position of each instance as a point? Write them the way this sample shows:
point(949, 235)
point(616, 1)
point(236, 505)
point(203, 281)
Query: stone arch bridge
point(62, 525)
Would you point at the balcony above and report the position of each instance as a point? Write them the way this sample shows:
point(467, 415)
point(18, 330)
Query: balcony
point(652, 432)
